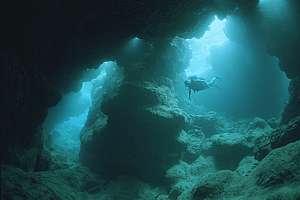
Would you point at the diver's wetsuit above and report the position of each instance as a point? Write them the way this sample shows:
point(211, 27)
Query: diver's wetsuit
point(197, 84)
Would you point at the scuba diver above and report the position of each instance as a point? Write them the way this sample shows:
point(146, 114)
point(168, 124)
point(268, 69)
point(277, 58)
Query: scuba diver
point(196, 84)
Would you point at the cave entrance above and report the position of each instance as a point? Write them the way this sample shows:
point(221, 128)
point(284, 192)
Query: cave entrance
point(250, 94)
point(250, 82)
point(200, 47)
point(65, 121)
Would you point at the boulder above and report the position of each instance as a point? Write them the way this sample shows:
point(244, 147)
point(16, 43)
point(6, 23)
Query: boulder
point(194, 140)
point(247, 165)
point(292, 109)
point(281, 136)
point(213, 185)
point(140, 136)
point(183, 170)
point(66, 184)
point(277, 176)
point(209, 124)
point(279, 167)
point(128, 188)
point(185, 176)
point(228, 149)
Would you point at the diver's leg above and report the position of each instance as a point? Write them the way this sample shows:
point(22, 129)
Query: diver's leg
point(190, 91)
point(213, 83)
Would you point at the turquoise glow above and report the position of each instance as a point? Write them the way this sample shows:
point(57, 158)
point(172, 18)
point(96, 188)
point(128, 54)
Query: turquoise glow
point(135, 39)
point(134, 42)
point(66, 120)
point(276, 10)
point(214, 37)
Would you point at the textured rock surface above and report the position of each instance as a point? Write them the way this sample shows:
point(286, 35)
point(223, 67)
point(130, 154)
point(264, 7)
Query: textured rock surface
point(209, 124)
point(233, 141)
point(131, 189)
point(247, 165)
point(140, 137)
point(228, 149)
point(185, 176)
point(31, 96)
point(275, 177)
point(60, 184)
point(213, 185)
point(47, 44)
point(73, 183)
point(57, 41)
point(281, 166)
point(281, 136)
point(292, 109)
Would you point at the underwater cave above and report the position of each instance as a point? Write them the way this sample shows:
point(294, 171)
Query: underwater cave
point(151, 100)
point(64, 122)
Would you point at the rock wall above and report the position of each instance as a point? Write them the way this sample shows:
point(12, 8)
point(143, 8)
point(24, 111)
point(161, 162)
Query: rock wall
point(27, 95)
point(138, 134)
point(276, 176)
point(64, 184)
point(46, 45)
point(292, 109)
point(283, 135)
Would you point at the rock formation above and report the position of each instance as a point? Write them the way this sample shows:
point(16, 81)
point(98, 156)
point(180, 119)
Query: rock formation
point(281, 136)
point(46, 47)
point(143, 121)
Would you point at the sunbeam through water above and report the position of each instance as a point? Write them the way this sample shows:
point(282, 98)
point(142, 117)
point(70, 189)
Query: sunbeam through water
point(66, 120)
point(214, 37)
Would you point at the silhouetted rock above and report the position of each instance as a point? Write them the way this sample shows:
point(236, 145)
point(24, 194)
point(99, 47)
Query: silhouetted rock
point(213, 185)
point(281, 136)
point(185, 176)
point(195, 142)
point(292, 109)
point(48, 44)
point(209, 124)
point(279, 167)
point(276, 176)
point(140, 137)
point(228, 149)
point(246, 166)
point(58, 184)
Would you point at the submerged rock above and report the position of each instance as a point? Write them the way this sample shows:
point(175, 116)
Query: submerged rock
point(194, 140)
point(186, 176)
point(213, 185)
point(281, 136)
point(277, 176)
point(229, 145)
point(126, 188)
point(183, 170)
point(247, 165)
point(66, 184)
point(209, 124)
point(76, 183)
point(140, 137)
point(292, 109)
point(257, 128)
point(228, 149)
point(281, 166)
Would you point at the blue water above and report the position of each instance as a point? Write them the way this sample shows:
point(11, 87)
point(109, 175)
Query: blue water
point(215, 37)
point(250, 81)
point(66, 120)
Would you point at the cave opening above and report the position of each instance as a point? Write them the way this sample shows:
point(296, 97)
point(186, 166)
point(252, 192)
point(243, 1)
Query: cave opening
point(65, 121)
point(132, 128)
point(214, 37)
point(249, 82)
